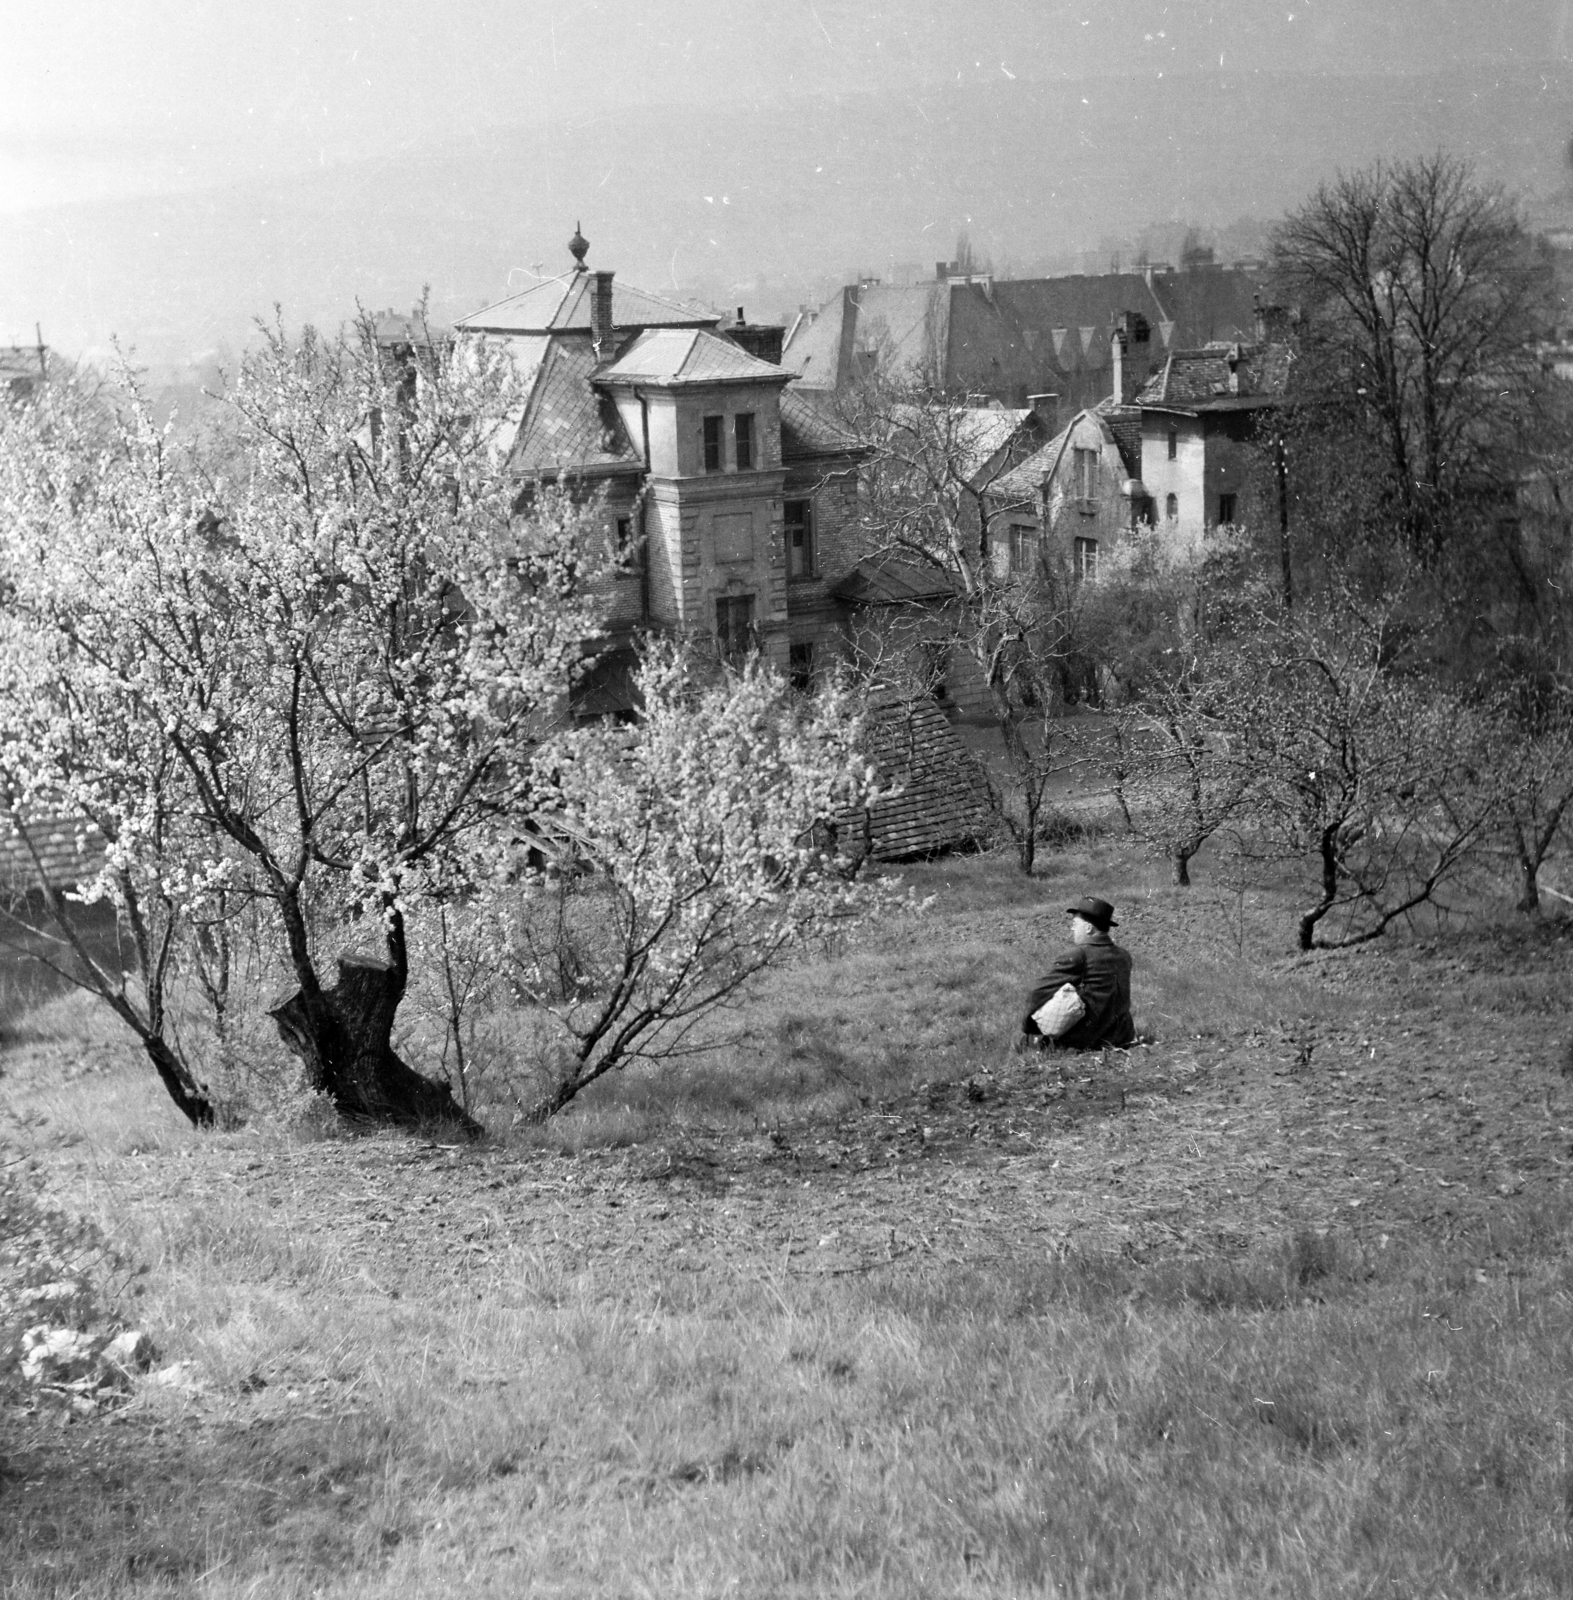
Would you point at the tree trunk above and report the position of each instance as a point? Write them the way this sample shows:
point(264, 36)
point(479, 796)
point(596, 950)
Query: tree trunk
point(184, 1090)
point(348, 1055)
point(1180, 859)
point(1528, 887)
point(1027, 848)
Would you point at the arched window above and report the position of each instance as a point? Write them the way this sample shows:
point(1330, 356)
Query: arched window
point(1171, 507)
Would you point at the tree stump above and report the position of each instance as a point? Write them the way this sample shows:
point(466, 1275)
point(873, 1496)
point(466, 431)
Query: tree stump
point(348, 1055)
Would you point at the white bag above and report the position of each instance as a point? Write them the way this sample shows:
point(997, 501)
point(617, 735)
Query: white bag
point(1059, 1014)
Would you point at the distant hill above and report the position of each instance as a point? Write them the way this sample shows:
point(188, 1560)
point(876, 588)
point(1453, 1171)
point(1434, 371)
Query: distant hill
point(776, 201)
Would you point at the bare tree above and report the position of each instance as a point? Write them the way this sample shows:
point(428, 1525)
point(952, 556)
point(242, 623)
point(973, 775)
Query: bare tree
point(1420, 296)
point(1532, 755)
point(1374, 782)
point(933, 503)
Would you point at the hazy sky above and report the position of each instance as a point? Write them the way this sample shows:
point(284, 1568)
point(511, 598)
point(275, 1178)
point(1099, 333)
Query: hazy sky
point(169, 169)
point(108, 98)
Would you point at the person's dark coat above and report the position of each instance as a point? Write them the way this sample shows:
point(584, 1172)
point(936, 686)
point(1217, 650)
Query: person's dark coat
point(1101, 971)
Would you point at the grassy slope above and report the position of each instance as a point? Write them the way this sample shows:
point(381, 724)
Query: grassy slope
point(858, 1306)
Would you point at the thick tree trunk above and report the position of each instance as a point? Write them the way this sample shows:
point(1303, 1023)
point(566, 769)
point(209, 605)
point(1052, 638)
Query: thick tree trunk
point(347, 1052)
point(1180, 861)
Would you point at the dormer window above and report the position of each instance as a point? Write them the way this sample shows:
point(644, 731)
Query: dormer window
point(713, 427)
point(744, 429)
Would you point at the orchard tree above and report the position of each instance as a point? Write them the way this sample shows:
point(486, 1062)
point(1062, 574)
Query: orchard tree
point(1532, 755)
point(689, 853)
point(330, 646)
point(1371, 780)
point(1177, 776)
point(933, 502)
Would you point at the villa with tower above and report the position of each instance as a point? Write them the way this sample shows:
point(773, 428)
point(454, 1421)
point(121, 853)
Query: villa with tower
point(727, 496)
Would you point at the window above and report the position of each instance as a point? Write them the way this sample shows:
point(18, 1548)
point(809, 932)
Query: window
point(1226, 510)
point(1171, 508)
point(1023, 550)
point(625, 551)
point(1085, 468)
point(1086, 559)
point(713, 443)
point(800, 665)
point(743, 425)
point(798, 516)
point(734, 626)
point(1174, 443)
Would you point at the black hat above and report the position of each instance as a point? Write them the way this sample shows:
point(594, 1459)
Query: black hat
point(1098, 912)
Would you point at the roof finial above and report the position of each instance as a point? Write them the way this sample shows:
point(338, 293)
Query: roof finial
point(579, 247)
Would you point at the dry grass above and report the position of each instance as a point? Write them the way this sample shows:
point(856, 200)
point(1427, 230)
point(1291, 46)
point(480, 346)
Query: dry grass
point(1324, 1414)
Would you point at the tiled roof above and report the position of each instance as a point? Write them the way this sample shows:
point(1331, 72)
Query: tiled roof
point(564, 303)
point(1198, 380)
point(568, 425)
point(71, 853)
point(942, 800)
point(1012, 337)
point(666, 356)
point(21, 360)
point(1125, 427)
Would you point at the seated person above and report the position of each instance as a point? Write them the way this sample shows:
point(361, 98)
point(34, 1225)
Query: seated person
point(1101, 972)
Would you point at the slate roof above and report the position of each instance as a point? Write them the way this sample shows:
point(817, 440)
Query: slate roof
point(668, 357)
point(559, 304)
point(809, 426)
point(568, 425)
point(1198, 380)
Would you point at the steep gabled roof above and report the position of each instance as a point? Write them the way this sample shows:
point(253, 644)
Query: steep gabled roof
point(1118, 426)
point(1010, 337)
point(671, 357)
point(563, 303)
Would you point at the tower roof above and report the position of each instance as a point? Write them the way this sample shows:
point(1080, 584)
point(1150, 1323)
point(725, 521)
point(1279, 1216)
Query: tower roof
point(557, 305)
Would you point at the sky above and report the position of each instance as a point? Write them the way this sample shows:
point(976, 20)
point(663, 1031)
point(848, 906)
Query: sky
point(106, 98)
point(109, 103)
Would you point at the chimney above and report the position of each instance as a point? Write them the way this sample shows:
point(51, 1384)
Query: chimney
point(1273, 323)
point(601, 315)
point(1046, 408)
point(1130, 354)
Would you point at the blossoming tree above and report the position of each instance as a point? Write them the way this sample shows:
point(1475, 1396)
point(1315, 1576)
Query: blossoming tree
point(301, 671)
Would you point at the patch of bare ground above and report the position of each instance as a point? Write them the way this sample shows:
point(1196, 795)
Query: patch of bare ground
point(1274, 1305)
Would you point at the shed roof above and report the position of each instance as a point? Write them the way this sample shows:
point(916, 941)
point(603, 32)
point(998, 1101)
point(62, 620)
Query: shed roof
point(941, 800)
